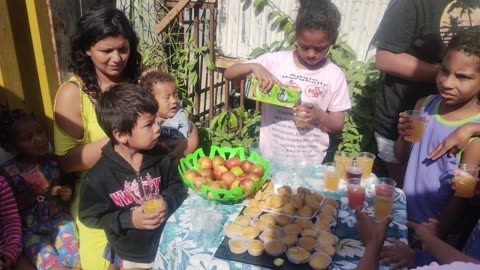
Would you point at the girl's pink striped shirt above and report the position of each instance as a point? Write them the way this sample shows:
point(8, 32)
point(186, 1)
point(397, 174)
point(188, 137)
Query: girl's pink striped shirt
point(10, 225)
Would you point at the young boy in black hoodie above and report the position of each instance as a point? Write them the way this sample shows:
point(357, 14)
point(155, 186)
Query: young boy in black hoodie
point(130, 168)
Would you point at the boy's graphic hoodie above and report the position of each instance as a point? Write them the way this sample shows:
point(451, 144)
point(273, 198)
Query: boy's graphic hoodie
point(112, 189)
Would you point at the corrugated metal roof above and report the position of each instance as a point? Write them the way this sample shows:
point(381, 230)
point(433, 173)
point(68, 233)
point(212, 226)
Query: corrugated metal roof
point(240, 29)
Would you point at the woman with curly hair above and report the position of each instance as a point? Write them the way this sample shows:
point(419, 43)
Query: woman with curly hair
point(104, 52)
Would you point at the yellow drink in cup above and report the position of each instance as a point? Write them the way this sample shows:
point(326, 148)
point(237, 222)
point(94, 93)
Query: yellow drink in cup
point(365, 161)
point(465, 180)
point(332, 178)
point(383, 198)
point(418, 123)
point(342, 161)
point(382, 207)
point(152, 204)
point(465, 186)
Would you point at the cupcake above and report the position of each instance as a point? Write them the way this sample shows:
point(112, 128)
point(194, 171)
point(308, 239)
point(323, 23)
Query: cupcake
point(268, 218)
point(260, 224)
point(327, 218)
point(326, 238)
point(272, 227)
point(292, 228)
point(274, 248)
point(232, 230)
point(330, 201)
point(252, 211)
point(307, 243)
point(283, 220)
point(289, 239)
point(237, 246)
point(297, 255)
point(255, 247)
point(304, 223)
point(309, 232)
point(249, 232)
point(270, 235)
point(322, 226)
point(243, 220)
point(319, 261)
point(328, 249)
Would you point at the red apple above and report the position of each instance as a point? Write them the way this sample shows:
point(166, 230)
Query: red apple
point(218, 161)
point(218, 171)
point(191, 174)
point(233, 161)
point(205, 163)
point(257, 169)
point(228, 178)
point(207, 173)
point(236, 170)
point(199, 182)
point(246, 184)
point(246, 165)
point(241, 176)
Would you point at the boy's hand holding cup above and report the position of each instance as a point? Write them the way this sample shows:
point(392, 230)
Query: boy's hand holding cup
point(411, 124)
point(151, 213)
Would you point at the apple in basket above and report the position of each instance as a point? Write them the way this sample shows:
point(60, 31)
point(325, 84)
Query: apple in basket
point(228, 178)
point(214, 185)
point(205, 163)
point(246, 165)
point(246, 184)
point(218, 172)
point(257, 169)
point(218, 161)
point(207, 173)
point(199, 181)
point(191, 174)
point(233, 161)
point(236, 170)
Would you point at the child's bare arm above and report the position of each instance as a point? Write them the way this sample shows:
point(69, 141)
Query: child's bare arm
point(402, 147)
point(241, 70)
point(456, 141)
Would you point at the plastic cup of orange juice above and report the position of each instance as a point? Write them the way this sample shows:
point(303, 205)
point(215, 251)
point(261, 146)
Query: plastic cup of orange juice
point(332, 178)
point(342, 161)
point(465, 180)
point(383, 198)
point(365, 161)
point(418, 123)
point(152, 203)
point(301, 123)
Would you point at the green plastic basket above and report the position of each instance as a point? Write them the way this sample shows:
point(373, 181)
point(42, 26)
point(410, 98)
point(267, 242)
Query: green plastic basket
point(223, 195)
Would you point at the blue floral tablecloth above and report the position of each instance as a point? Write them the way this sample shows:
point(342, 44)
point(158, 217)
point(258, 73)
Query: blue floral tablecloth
point(193, 234)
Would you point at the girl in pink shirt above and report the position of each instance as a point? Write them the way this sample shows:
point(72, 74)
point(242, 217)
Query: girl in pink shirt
point(324, 97)
point(10, 227)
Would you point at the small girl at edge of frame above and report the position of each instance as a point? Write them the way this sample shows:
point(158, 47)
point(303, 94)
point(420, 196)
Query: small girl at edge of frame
point(324, 98)
point(49, 233)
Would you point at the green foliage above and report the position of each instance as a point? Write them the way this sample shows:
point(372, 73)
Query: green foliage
point(235, 128)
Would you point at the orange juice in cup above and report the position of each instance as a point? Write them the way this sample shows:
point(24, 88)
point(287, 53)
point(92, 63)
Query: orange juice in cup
point(332, 178)
point(418, 123)
point(465, 180)
point(365, 161)
point(152, 203)
point(383, 197)
point(342, 161)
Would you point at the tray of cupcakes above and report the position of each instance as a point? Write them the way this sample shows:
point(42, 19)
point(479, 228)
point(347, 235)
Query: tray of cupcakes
point(280, 240)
